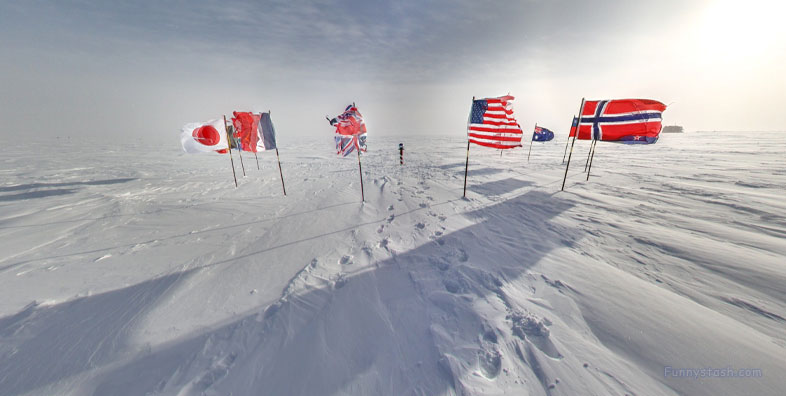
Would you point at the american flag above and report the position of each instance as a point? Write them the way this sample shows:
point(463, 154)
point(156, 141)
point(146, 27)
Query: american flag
point(491, 123)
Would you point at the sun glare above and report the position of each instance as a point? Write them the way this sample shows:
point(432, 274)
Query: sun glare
point(738, 30)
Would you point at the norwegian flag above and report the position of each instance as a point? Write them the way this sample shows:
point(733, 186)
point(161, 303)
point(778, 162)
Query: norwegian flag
point(350, 131)
point(492, 124)
point(621, 120)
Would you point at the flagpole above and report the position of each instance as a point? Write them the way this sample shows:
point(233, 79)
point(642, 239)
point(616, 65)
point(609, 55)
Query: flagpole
point(280, 173)
point(592, 147)
point(566, 143)
point(578, 127)
point(229, 148)
point(360, 169)
point(240, 153)
point(530, 142)
point(589, 154)
point(591, 157)
point(278, 159)
point(466, 166)
point(259, 135)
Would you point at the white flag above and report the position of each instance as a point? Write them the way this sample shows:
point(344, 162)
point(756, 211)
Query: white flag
point(204, 137)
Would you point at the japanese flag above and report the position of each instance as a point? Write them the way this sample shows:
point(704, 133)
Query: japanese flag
point(204, 137)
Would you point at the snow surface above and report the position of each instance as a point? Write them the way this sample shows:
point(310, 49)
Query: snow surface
point(133, 269)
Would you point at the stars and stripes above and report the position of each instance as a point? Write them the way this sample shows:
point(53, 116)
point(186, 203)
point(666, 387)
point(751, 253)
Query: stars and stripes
point(492, 124)
point(622, 120)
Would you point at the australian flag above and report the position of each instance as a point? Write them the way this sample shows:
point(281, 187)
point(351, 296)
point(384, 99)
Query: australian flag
point(542, 135)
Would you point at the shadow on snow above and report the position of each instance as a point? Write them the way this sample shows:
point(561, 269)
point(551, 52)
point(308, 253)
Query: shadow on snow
point(401, 337)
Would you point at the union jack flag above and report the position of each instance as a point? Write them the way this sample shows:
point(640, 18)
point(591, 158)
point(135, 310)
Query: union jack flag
point(350, 131)
point(621, 120)
point(492, 124)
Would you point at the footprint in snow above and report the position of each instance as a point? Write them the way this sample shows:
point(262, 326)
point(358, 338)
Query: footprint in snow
point(420, 226)
point(423, 205)
point(380, 229)
point(391, 217)
point(390, 207)
point(462, 255)
point(345, 260)
point(340, 282)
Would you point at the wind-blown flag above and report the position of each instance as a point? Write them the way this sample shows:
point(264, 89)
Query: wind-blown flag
point(350, 131)
point(621, 120)
point(573, 126)
point(246, 126)
point(491, 123)
point(542, 135)
point(204, 137)
point(267, 131)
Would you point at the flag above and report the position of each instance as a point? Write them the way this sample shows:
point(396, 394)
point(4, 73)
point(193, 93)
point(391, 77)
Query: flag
point(204, 137)
point(491, 123)
point(573, 126)
point(350, 131)
point(268, 132)
point(246, 126)
point(542, 135)
point(621, 120)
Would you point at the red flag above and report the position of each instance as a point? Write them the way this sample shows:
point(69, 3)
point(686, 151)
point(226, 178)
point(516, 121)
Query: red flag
point(246, 129)
point(633, 120)
point(573, 126)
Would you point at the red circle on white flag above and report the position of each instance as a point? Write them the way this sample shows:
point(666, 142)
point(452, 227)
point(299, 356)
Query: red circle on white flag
point(207, 135)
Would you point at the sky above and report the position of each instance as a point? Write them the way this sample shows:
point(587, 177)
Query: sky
point(145, 68)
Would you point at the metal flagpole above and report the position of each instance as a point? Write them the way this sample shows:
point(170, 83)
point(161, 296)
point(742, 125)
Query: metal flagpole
point(466, 166)
point(566, 143)
point(530, 142)
point(229, 148)
point(590, 163)
point(280, 173)
point(578, 126)
point(360, 169)
point(257, 158)
point(240, 153)
point(589, 153)
point(277, 157)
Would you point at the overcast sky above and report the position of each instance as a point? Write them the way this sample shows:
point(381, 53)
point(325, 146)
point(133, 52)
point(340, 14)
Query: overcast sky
point(412, 67)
